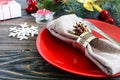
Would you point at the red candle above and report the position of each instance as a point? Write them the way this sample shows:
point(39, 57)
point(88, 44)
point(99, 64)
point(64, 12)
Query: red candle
point(43, 11)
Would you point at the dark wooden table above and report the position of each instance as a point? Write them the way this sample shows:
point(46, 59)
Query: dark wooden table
point(20, 60)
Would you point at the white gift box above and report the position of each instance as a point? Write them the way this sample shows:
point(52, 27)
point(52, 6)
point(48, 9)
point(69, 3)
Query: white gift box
point(9, 9)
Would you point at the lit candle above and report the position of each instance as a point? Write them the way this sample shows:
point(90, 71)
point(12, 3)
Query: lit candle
point(43, 16)
point(43, 11)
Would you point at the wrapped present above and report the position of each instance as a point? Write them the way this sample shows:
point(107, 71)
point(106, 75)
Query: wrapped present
point(9, 9)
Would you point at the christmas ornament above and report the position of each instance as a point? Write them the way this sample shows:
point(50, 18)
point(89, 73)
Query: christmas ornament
point(23, 31)
point(31, 8)
point(109, 20)
point(90, 8)
point(32, 3)
point(104, 16)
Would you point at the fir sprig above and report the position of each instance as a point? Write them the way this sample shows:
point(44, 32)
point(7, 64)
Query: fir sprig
point(72, 6)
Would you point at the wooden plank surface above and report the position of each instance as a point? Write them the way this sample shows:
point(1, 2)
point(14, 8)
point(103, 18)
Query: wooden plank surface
point(29, 65)
point(9, 43)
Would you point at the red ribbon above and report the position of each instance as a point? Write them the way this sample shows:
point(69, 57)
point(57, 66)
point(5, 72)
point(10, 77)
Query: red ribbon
point(2, 3)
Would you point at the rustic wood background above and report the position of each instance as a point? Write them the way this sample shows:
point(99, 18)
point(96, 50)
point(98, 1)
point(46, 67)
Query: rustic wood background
point(9, 43)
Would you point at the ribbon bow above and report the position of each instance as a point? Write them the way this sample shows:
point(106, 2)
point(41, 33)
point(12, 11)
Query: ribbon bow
point(4, 1)
point(90, 4)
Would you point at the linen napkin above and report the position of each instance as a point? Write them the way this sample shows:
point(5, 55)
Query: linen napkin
point(102, 52)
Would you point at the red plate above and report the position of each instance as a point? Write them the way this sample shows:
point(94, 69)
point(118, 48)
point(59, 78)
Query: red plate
point(70, 59)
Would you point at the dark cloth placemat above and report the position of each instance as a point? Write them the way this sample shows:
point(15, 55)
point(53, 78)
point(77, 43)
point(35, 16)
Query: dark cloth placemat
point(29, 65)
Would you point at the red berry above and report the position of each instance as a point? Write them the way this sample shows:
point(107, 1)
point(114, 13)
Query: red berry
point(103, 15)
point(110, 20)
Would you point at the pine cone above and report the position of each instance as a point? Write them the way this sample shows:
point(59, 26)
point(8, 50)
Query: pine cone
point(80, 28)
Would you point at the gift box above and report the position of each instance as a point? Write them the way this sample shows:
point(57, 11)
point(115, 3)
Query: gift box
point(9, 9)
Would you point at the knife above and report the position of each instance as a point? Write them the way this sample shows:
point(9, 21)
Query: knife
point(93, 27)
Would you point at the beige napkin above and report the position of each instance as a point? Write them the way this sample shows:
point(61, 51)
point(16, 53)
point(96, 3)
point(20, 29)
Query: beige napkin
point(102, 52)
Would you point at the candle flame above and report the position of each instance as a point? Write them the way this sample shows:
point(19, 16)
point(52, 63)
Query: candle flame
point(44, 10)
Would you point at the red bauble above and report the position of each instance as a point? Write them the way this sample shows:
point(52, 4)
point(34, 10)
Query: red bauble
point(109, 20)
point(32, 3)
point(103, 15)
point(31, 9)
point(29, 1)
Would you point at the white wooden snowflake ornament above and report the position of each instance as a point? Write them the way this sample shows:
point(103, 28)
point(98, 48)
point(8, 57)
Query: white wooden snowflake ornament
point(23, 31)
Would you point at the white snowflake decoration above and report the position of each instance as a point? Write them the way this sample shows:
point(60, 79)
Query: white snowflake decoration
point(23, 32)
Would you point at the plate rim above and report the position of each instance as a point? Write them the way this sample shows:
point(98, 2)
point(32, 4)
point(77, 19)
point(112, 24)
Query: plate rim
point(68, 70)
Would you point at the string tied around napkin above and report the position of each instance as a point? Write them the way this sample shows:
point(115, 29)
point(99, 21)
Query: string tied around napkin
point(85, 38)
